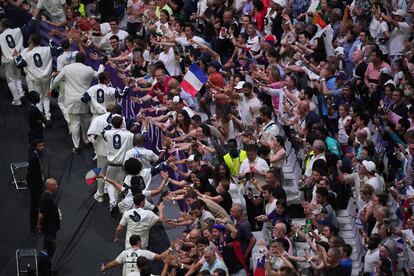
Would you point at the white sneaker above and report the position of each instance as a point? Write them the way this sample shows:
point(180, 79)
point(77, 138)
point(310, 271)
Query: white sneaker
point(17, 102)
point(98, 198)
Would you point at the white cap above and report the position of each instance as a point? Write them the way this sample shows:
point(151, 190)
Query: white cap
point(281, 3)
point(240, 85)
point(390, 82)
point(400, 12)
point(176, 99)
point(369, 166)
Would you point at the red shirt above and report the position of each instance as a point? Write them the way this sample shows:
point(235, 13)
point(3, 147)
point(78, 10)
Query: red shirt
point(162, 88)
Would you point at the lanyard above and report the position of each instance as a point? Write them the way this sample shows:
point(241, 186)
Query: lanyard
point(40, 163)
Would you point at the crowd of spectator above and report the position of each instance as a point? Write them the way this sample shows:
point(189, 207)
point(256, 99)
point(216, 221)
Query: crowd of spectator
point(294, 158)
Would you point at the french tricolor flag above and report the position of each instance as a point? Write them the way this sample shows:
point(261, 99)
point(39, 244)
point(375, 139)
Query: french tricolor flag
point(91, 176)
point(193, 80)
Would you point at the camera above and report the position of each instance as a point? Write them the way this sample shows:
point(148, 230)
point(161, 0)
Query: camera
point(248, 176)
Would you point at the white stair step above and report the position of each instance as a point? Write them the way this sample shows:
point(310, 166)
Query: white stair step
point(347, 227)
point(346, 220)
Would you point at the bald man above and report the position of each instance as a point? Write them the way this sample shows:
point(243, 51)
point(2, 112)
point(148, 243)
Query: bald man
point(244, 231)
point(145, 156)
point(49, 213)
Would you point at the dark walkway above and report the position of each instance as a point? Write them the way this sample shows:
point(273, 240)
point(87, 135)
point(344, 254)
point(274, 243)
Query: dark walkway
point(86, 237)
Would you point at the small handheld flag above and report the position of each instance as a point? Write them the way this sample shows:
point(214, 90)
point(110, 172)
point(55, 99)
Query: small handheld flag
point(193, 80)
point(91, 176)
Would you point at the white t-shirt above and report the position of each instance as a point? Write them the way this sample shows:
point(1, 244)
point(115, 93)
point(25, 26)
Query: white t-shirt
point(128, 202)
point(253, 44)
point(397, 38)
point(105, 43)
point(10, 40)
point(54, 9)
point(246, 105)
point(170, 62)
point(377, 29)
point(138, 222)
point(259, 164)
point(122, 258)
point(119, 142)
point(105, 28)
point(39, 63)
point(145, 156)
point(375, 183)
point(407, 234)
point(64, 59)
point(371, 260)
point(268, 20)
point(100, 95)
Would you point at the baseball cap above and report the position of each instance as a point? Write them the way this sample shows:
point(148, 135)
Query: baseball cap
point(369, 166)
point(220, 227)
point(239, 85)
point(271, 39)
point(340, 75)
point(281, 3)
point(176, 99)
point(400, 12)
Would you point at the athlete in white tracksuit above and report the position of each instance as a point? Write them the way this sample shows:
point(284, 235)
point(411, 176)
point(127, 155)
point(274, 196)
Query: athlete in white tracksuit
point(11, 41)
point(119, 141)
point(100, 94)
point(66, 58)
point(78, 78)
point(38, 71)
point(95, 131)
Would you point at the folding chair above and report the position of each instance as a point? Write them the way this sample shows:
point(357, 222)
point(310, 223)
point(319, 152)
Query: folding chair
point(26, 261)
point(18, 170)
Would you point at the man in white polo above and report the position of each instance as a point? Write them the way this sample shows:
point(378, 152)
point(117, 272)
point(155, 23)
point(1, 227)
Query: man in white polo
point(138, 221)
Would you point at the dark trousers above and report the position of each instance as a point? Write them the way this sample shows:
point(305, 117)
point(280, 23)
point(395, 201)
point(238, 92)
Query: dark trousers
point(51, 237)
point(252, 212)
point(34, 208)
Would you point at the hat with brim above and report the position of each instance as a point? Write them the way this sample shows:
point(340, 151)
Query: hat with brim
point(369, 166)
point(400, 12)
point(219, 227)
point(239, 85)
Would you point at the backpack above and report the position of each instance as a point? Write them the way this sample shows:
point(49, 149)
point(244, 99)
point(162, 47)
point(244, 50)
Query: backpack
point(130, 264)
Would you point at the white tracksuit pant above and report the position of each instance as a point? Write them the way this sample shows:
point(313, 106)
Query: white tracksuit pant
point(116, 173)
point(101, 162)
point(13, 80)
point(76, 122)
point(61, 103)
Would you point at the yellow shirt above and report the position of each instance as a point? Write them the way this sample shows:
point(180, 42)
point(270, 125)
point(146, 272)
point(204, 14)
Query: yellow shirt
point(166, 7)
point(234, 163)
